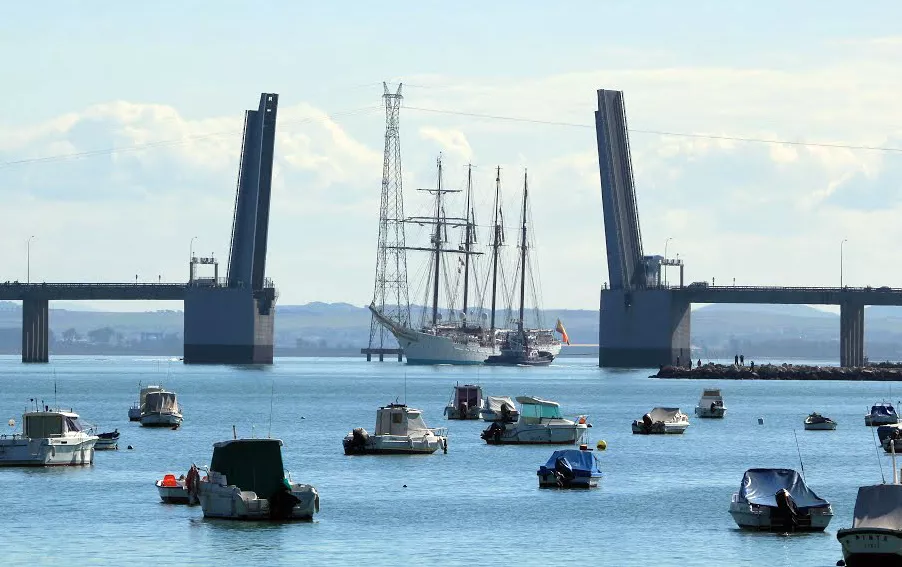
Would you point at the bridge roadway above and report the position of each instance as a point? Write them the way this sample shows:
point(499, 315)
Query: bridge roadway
point(790, 295)
point(15, 291)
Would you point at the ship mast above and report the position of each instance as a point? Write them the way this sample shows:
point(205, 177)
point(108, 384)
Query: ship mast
point(437, 244)
point(496, 242)
point(468, 239)
point(523, 260)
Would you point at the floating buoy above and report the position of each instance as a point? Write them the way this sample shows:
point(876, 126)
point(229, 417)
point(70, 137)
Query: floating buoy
point(130, 447)
point(405, 486)
point(760, 421)
point(12, 423)
point(601, 445)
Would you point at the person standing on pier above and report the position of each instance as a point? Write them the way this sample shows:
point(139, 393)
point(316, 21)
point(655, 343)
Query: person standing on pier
point(736, 360)
point(741, 360)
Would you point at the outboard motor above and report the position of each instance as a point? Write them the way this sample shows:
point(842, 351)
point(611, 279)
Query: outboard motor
point(786, 514)
point(563, 471)
point(492, 434)
point(464, 410)
point(506, 410)
point(357, 442)
point(281, 503)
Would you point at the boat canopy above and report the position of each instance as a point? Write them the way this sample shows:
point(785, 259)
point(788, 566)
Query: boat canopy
point(579, 460)
point(711, 393)
point(160, 401)
point(146, 390)
point(494, 403)
point(398, 419)
point(250, 464)
point(538, 408)
point(667, 415)
point(883, 409)
point(760, 486)
point(879, 506)
point(42, 425)
point(467, 394)
point(886, 431)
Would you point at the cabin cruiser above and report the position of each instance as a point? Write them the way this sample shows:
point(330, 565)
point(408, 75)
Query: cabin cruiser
point(710, 404)
point(818, 422)
point(399, 430)
point(499, 408)
point(172, 490)
point(134, 412)
point(890, 437)
point(661, 420)
point(161, 409)
point(107, 441)
point(246, 481)
point(882, 413)
point(778, 500)
point(540, 422)
point(465, 402)
point(875, 537)
point(49, 437)
point(570, 468)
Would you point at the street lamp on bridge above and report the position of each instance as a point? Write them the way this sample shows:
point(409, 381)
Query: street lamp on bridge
point(666, 242)
point(28, 260)
point(844, 240)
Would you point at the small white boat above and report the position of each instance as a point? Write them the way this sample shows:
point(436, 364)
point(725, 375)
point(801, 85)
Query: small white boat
point(107, 441)
point(246, 481)
point(778, 500)
point(172, 490)
point(465, 402)
point(570, 468)
point(399, 430)
point(134, 412)
point(661, 421)
point(161, 409)
point(710, 405)
point(818, 422)
point(50, 437)
point(875, 537)
point(499, 408)
point(540, 422)
point(882, 413)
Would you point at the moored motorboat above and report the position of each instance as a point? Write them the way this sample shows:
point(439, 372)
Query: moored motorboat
point(875, 538)
point(107, 441)
point(49, 437)
point(134, 412)
point(465, 402)
point(710, 405)
point(570, 468)
point(882, 413)
point(778, 500)
point(890, 437)
point(400, 430)
point(660, 421)
point(161, 409)
point(246, 481)
point(499, 408)
point(818, 422)
point(540, 422)
point(172, 490)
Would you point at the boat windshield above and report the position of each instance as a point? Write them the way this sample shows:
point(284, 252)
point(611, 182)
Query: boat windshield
point(41, 426)
point(540, 411)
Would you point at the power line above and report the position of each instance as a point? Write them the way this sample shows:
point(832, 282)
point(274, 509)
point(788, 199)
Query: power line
point(661, 132)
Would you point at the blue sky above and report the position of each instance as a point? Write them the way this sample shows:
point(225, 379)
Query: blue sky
point(84, 76)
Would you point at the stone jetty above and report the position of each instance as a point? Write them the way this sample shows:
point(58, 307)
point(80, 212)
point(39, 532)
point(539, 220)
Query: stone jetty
point(785, 371)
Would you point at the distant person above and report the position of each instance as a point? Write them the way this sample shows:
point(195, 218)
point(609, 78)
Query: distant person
point(678, 361)
point(699, 365)
point(741, 360)
point(752, 366)
point(736, 360)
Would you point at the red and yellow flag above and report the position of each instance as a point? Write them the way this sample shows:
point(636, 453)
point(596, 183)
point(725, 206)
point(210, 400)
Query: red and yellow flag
point(560, 329)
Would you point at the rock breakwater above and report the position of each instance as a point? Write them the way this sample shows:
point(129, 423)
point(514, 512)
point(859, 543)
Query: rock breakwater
point(879, 372)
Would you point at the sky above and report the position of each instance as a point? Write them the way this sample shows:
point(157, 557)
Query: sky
point(120, 132)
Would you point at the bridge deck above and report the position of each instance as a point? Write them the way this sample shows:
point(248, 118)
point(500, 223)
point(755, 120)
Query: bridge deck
point(15, 291)
point(790, 295)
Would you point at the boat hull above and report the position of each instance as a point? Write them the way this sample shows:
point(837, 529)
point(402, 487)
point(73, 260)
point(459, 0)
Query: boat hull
point(760, 519)
point(518, 434)
point(24, 452)
point(865, 547)
point(876, 421)
point(173, 494)
point(659, 428)
point(452, 412)
point(424, 348)
point(547, 479)
point(134, 414)
point(106, 445)
point(708, 413)
point(823, 426)
point(231, 503)
point(155, 419)
point(394, 445)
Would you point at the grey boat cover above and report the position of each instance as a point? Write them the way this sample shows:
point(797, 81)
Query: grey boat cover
point(760, 486)
point(667, 415)
point(879, 506)
point(494, 403)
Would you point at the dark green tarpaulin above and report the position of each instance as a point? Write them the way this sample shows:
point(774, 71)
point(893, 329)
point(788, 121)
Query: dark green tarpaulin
point(251, 464)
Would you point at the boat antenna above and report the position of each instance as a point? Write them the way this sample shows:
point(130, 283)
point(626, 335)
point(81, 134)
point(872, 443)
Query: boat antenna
point(802, 464)
point(54, 389)
point(892, 446)
point(234, 432)
point(876, 446)
point(272, 391)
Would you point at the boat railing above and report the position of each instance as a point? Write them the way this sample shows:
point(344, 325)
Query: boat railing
point(439, 431)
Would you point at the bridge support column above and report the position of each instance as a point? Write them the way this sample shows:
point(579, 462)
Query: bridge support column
point(644, 328)
point(851, 334)
point(35, 330)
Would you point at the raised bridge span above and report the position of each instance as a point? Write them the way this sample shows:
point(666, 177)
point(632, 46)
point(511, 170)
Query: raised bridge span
point(645, 324)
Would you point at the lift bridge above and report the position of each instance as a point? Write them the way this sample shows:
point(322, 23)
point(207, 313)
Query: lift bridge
point(644, 323)
point(227, 320)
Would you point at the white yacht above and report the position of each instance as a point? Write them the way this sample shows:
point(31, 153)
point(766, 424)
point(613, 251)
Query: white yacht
point(778, 500)
point(134, 412)
point(710, 404)
point(465, 402)
point(399, 430)
point(246, 481)
point(49, 437)
point(818, 422)
point(540, 422)
point(882, 413)
point(160, 409)
point(499, 408)
point(662, 420)
point(172, 490)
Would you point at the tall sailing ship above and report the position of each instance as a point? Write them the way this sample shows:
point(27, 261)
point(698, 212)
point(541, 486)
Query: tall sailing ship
point(469, 338)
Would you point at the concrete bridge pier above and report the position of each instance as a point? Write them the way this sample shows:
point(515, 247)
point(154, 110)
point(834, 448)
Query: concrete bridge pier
point(643, 329)
point(35, 330)
point(851, 334)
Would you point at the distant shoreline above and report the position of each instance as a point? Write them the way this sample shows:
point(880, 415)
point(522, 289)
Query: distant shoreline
point(881, 372)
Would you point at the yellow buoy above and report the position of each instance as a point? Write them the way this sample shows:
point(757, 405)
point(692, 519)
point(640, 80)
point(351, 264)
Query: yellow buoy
point(601, 445)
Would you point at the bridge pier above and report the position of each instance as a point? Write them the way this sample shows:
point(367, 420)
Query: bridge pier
point(643, 329)
point(35, 330)
point(851, 334)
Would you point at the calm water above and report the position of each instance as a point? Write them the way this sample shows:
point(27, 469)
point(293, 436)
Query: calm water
point(663, 500)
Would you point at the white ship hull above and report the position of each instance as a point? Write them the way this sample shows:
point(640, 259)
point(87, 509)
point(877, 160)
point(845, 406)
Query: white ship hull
point(24, 452)
point(539, 434)
point(424, 348)
point(230, 502)
point(750, 517)
point(870, 546)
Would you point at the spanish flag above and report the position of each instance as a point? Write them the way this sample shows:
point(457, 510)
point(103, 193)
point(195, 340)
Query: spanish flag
point(560, 329)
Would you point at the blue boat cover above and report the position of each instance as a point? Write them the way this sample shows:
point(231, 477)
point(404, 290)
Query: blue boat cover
point(883, 409)
point(579, 460)
point(885, 431)
point(759, 486)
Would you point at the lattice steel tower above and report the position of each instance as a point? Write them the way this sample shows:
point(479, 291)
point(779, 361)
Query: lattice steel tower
point(390, 295)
